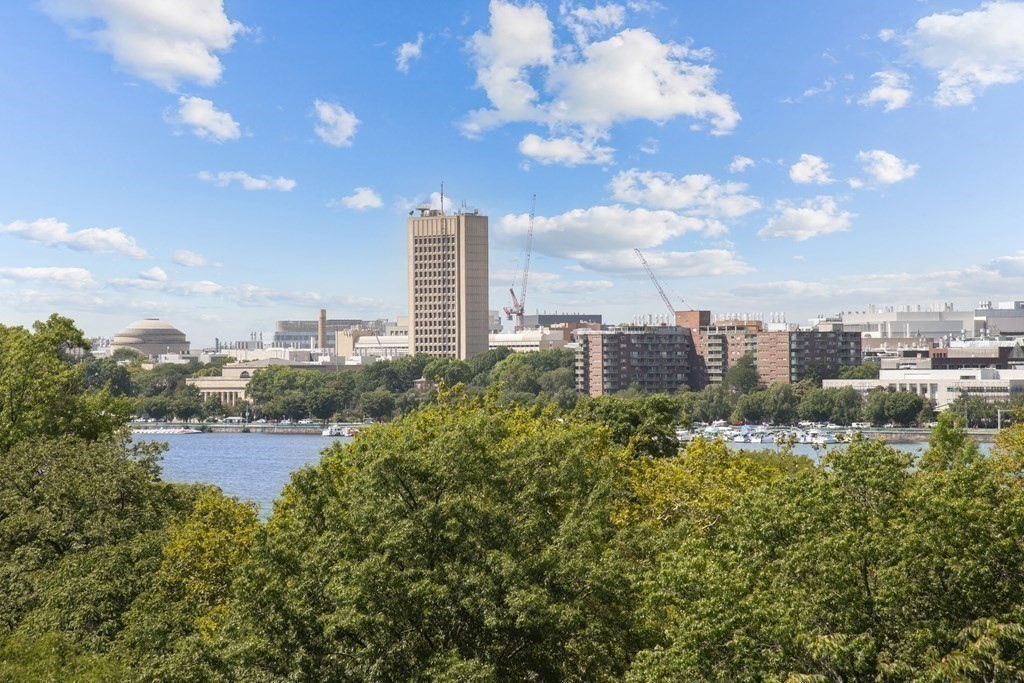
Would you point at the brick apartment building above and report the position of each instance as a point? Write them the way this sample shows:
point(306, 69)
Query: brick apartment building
point(653, 359)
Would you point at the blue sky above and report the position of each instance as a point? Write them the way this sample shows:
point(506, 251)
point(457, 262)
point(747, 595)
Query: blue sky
point(225, 165)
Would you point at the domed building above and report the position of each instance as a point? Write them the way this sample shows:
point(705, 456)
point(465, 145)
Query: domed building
point(150, 337)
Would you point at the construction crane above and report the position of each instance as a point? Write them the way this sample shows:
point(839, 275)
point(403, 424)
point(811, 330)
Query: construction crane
point(517, 310)
point(664, 297)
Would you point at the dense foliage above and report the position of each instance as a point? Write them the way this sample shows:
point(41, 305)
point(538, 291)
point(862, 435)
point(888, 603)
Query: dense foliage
point(487, 538)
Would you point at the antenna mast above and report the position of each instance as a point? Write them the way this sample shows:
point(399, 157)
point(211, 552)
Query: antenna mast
point(517, 309)
point(650, 273)
point(442, 197)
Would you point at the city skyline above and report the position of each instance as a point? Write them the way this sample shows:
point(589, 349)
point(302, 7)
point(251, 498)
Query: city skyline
point(222, 166)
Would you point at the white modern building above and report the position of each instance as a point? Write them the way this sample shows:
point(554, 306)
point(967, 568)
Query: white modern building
point(942, 387)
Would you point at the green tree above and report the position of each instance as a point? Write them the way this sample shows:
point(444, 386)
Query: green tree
point(868, 567)
point(173, 630)
point(42, 390)
point(742, 377)
point(646, 424)
point(464, 542)
point(862, 371)
point(187, 404)
point(377, 404)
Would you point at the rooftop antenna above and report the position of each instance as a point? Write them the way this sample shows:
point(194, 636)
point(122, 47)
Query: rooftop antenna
point(442, 197)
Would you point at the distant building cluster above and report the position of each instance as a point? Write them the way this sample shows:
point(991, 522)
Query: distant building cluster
point(936, 351)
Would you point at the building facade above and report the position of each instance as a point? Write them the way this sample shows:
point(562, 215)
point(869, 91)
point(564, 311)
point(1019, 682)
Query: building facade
point(448, 284)
point(653, 359)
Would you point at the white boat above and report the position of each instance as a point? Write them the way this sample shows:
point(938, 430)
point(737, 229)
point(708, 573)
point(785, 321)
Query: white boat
point(339, 430)
point(160, 431)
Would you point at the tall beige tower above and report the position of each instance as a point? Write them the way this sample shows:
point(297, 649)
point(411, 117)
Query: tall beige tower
point(448, 313)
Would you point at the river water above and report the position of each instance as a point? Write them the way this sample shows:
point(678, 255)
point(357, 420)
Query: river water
point(256, 467)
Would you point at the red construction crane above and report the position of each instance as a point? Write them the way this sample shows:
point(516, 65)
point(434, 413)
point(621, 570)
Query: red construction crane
point(517, 309)
point(664, 297)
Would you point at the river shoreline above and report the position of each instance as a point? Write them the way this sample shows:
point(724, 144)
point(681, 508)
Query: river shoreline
point(894, 435)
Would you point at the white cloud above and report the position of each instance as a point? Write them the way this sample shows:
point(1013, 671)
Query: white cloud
point(886, 34)
point(566, 151)
point(739, 164)
point(886, 168)
point(337, 126)
point(585, 22)
point(649, 146)
point(190, 259)
point(631, 75)
point(163, 42)
point(891, 92)
point(696, 194)
point(51, 232)
point(205, 120)
point(589, 235)
point(248, 182)
point(408, 52)
point(76, 278)
point(970, 51)
point(1009, 266)
point(814, 217)
point(810, 169)
point(361, 199)
point(156, 274)
point(672, 264)
point(855, 183)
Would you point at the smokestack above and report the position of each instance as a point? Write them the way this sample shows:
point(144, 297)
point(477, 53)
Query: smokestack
point(321, 330)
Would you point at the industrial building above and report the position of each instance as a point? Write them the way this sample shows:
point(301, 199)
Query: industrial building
point(448, 283)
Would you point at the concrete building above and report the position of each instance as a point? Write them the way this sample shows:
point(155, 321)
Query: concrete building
point(654, 359)
point(448, 283)
point(942, 387)
point(317, 334)
point(537, 320)
point(151, 337)
point(539, 339)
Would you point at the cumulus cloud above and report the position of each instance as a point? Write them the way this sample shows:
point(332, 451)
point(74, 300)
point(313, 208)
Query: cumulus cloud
point(810, 169)
point(336, 126)
point(585, 22)
point(586, 234)
point(739, 164)
point(408, 52)
point(696, 194)
point(51, 232)
point(630, 75)
point(1009, 266)
point(891, 92)
point(361, 199)
point(204, 119)
point(886, 168)
point(567, 151)
point(970, 51)
point(156, 274)
point(190, 259)
point(162, 42)
point(248, 182)
point(76, 278)
point(814, 217)
point(649, 146)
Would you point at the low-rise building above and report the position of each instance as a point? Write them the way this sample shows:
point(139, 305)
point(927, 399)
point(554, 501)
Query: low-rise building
point(942, 387)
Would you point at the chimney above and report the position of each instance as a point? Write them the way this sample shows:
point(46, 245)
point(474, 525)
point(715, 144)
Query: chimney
point(321, 330)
